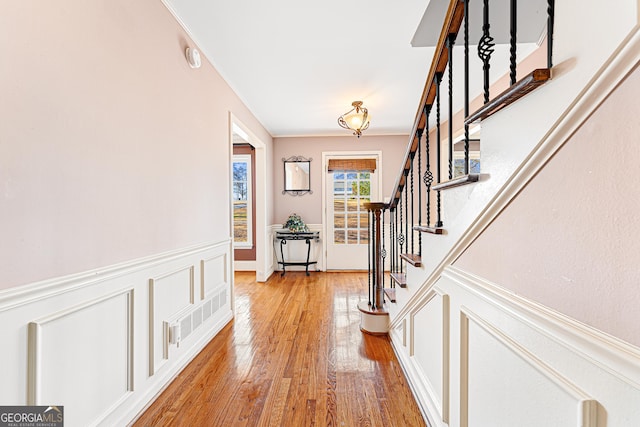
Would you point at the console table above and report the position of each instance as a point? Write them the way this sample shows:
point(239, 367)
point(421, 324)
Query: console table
point(307, 236)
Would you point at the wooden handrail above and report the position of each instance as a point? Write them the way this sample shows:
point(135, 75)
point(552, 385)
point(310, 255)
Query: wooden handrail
point(451, 26)
point(452, 22)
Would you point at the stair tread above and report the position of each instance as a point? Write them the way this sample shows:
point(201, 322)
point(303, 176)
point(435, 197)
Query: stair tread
point(456, 182)
point(527, 84)
point(427, 229)
point(400, 279)
point(390, 293)
point(412, 259)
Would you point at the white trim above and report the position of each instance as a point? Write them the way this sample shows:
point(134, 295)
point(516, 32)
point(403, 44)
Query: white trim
point(587, 409)
point(21, 295)
point(600, 348)
point(203, 51)
point(26, 312)
point(137, 408)
point(247, 160)
point(413, 376)
point(153, 321)
point(427, 389)
point(525, 328)
point(264, 267)
point(35, 351)
point(334, 134)
point(203, 267)
point(244, 265)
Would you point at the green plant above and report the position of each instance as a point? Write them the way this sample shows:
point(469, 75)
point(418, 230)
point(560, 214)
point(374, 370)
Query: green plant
point(295, 223)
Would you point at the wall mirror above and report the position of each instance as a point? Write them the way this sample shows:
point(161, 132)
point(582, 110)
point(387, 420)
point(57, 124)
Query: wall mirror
point(297, 176)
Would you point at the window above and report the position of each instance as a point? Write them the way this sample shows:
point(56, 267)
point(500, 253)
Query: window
point(474, 164)
point(351, 190)
point(242, 232)
point(474, 153)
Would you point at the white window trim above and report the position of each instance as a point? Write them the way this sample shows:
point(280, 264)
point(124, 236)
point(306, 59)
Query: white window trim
point(346, 212)
point(246, 158)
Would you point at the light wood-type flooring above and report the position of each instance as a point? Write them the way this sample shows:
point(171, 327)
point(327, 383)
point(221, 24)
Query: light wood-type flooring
point(293, 356)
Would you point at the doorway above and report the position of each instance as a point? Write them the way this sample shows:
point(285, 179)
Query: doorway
point(263, 264)
point(351, 180)
point(244, 203)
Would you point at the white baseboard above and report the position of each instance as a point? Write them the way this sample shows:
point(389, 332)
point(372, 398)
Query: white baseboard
point(244, 265)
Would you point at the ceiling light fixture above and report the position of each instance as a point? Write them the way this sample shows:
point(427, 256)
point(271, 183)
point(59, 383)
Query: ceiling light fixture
point(356, 119)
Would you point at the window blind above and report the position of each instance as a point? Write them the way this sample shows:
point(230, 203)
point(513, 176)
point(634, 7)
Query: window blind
point(360, 165)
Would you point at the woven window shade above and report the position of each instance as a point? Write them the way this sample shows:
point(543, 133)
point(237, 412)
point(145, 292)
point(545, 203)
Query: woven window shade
point(360, 165)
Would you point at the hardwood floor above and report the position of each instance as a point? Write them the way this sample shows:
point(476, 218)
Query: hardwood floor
point(293, 356)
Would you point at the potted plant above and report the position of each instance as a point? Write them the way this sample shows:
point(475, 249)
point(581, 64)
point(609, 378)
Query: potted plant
point(295, 224)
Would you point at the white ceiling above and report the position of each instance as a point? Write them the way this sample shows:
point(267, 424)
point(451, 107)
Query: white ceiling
point(298, 65)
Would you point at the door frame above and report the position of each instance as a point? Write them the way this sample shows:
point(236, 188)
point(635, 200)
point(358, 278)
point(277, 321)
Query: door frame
point(263, 251)
point(326, 155)
point(246, 153)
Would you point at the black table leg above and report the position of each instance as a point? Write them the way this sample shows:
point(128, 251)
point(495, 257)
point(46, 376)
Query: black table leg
point(282, 243)
point(308, 253)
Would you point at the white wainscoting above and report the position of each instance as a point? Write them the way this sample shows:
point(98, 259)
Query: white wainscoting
point(429, 349)
point(477, 355)
point(169, 293)
point(59, 341)
point(97, 343)
point(213, 273)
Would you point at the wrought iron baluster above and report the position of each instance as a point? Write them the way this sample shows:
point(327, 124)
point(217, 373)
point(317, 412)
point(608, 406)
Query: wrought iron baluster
point(486, 48)
point(466, 86)
point(412, 206)
point(438, 148)
point(406, 208)
point(369, 247)
point(550, 19)
point(428, 175)
point(450, 42)
point(392, 239)
point(397, 241)
point(513, 33)
point(401, 236)
point(375, 259)
point(383, 253)
point(419, 151)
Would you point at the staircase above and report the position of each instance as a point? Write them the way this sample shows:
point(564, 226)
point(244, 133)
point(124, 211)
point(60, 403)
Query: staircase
point(446, 323)
point(404, 212)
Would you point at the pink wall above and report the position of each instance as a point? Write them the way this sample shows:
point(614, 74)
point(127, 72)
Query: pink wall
point(111, 147)
point(309, 206)
point(570, 239)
